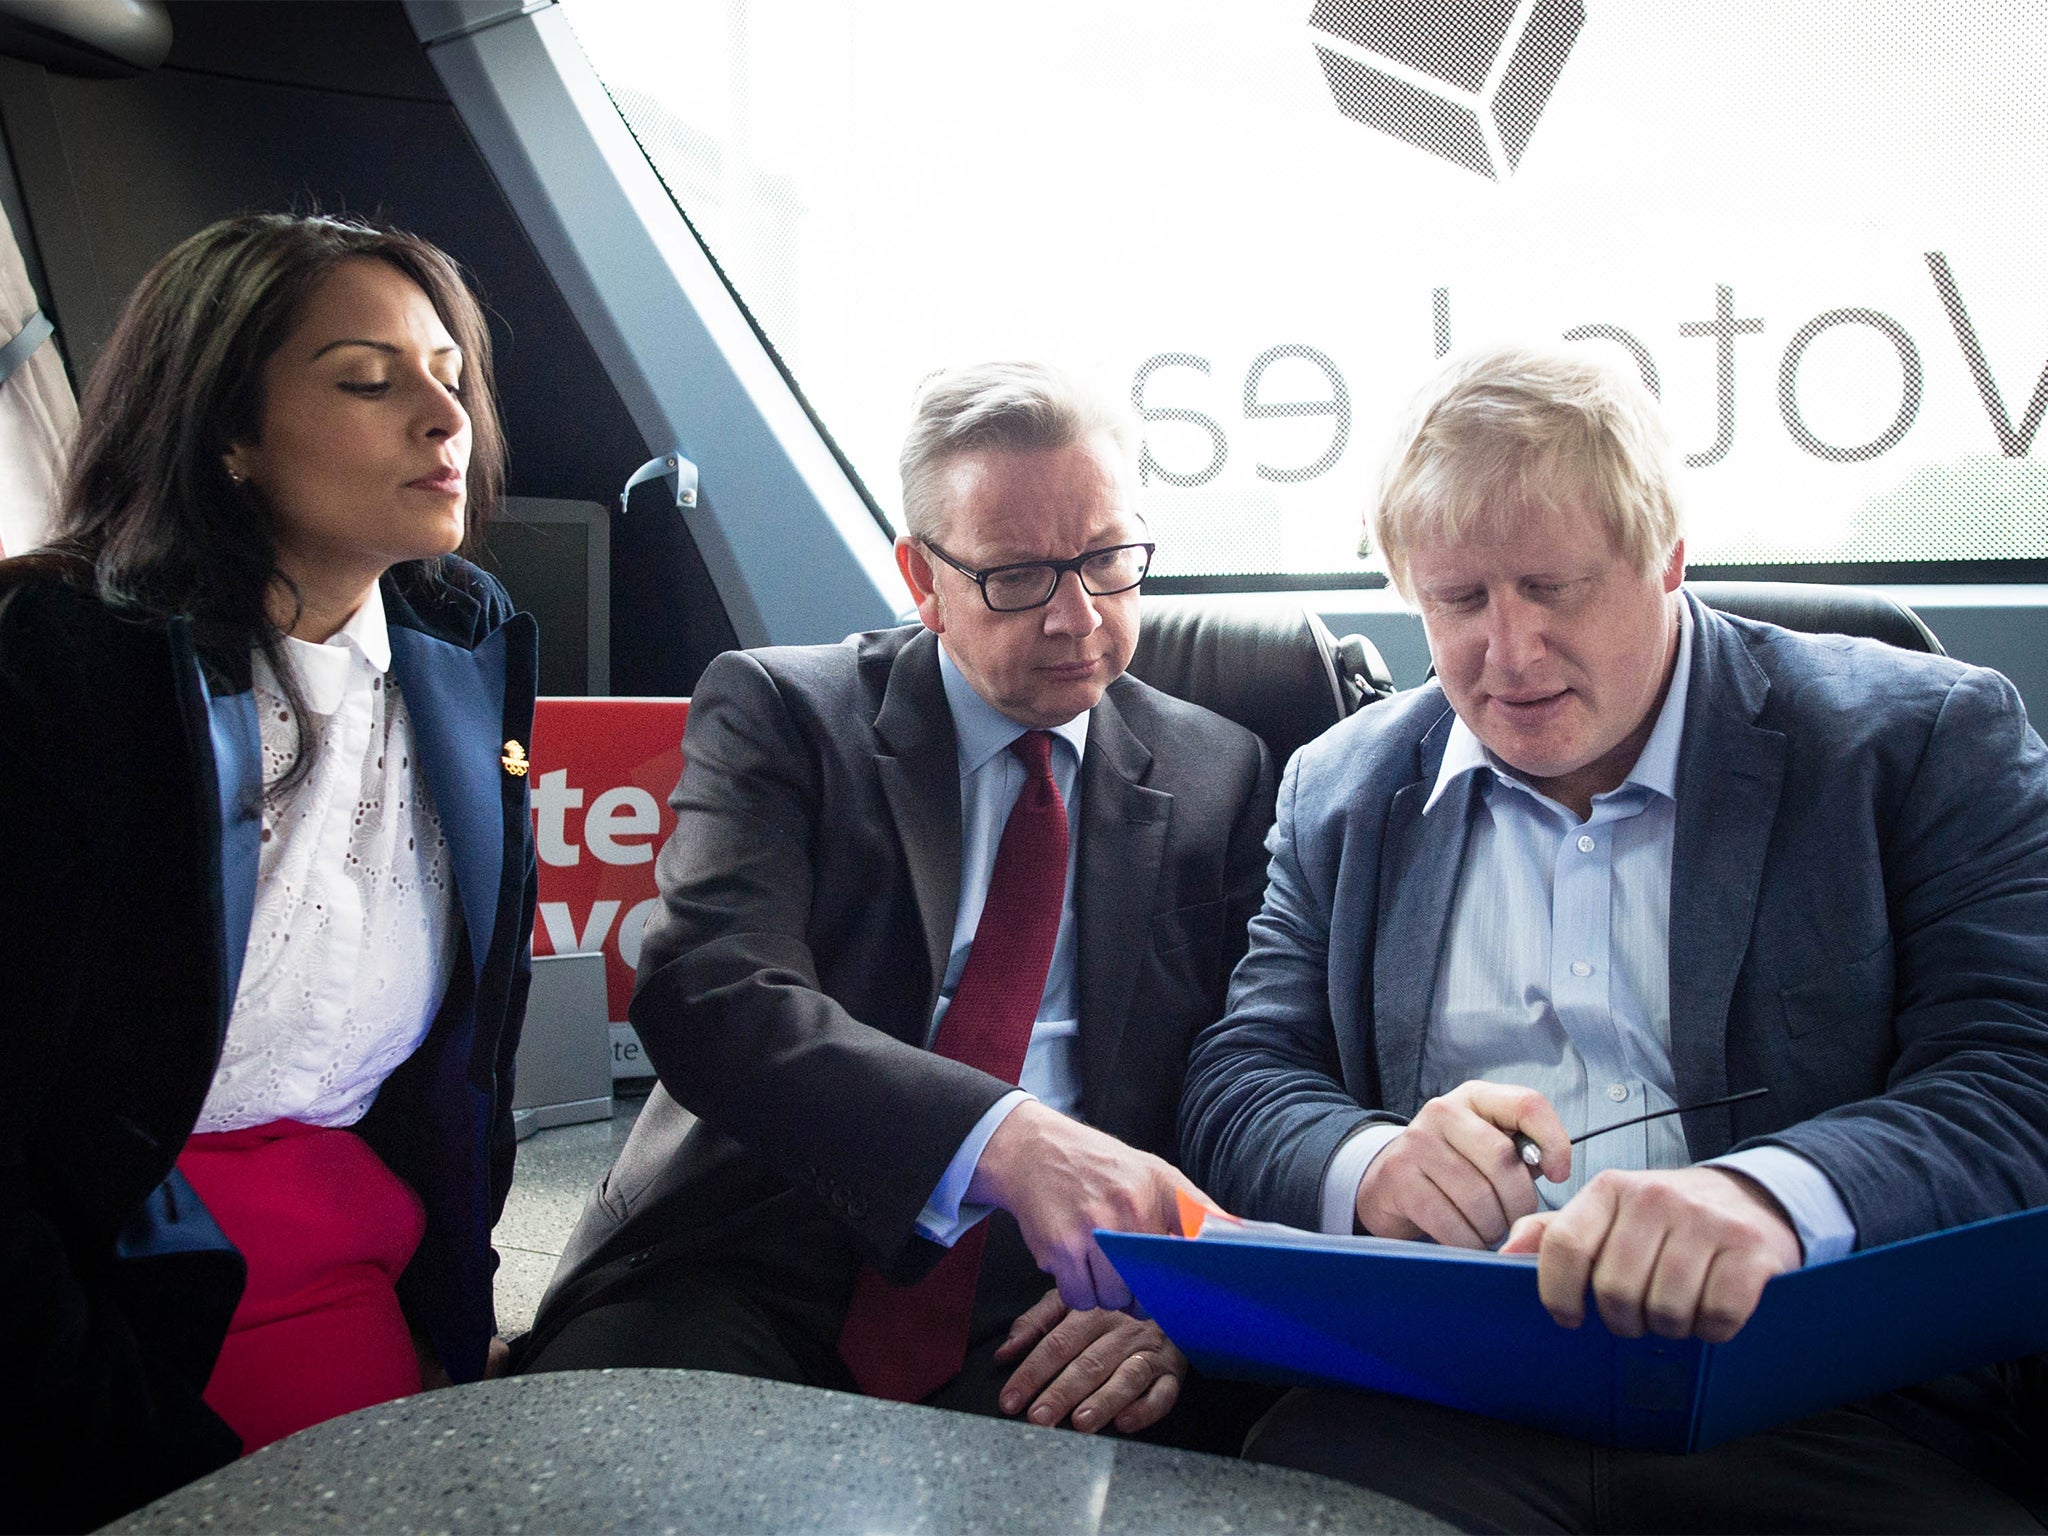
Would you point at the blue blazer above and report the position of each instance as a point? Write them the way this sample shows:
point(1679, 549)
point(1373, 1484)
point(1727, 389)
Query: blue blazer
point(128, 856)
point(1859, 922)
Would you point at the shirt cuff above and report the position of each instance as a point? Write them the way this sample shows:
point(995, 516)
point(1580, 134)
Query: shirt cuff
point(1826, 1230)
point(1347, 1171)
point(944, 1219)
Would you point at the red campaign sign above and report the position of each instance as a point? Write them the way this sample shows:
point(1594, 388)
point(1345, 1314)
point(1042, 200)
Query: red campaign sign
point(602, 771)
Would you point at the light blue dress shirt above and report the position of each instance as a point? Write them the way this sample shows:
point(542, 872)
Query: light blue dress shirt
point(991, 778)
point(1555, 976)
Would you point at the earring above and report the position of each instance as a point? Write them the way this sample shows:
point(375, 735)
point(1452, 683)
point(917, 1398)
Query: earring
point(235, 479)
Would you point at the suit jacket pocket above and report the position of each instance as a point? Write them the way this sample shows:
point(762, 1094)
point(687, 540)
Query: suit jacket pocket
point(1860, 989)
point(1201, 923)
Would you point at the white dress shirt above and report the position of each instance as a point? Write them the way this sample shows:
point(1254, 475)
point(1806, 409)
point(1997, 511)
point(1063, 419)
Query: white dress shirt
point(349, 947)
point(1555, 975)
point(991, 778)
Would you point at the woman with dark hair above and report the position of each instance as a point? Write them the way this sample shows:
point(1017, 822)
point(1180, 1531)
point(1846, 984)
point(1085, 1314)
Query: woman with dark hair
point(265, 871)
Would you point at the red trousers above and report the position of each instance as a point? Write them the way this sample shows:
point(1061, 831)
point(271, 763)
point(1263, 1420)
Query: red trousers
point(326, 1230)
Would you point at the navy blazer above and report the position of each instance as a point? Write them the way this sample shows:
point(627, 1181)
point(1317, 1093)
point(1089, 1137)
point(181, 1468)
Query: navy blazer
point(1859, 922)
point(128, 856)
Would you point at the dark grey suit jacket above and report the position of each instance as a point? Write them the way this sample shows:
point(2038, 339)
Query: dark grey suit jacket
point(1859, 922)
point(809, 893)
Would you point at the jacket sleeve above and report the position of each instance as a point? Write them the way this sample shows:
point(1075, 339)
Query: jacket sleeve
point(1960, 1131)
point(504, 1137)
point(1265, 1108)
point(93, 1421)
point(497, 608)
point(729, 1005)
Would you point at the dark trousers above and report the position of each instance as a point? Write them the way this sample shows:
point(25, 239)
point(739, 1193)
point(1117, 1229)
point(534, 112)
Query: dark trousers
point(1846, 1470)
point(691, 1314)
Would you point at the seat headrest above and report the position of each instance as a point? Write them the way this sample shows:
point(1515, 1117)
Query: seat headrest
point(1266, 662)
point(1816, 609)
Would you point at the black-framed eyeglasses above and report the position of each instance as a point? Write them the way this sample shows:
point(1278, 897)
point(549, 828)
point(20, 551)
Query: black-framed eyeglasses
point(1032, 583)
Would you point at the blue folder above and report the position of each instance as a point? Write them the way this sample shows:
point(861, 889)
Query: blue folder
point(1466, 1329)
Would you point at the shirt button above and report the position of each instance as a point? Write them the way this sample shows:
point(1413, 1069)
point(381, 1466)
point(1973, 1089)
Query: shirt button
point(1582, 967)
point(1586, 844)
point(1617, 1092)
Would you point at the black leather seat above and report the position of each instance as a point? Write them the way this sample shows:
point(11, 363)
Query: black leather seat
point(1268, 663)
point(1815, 609)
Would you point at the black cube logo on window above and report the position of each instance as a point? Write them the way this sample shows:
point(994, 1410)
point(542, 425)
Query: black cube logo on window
point(1464, 79)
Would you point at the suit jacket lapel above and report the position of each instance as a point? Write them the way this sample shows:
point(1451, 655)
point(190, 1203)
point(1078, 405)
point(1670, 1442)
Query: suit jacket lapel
point(455, 699)
point(1418, 875)
point(1730, 774)
point(238, 771)
point(1123, 842)
point(918, 762)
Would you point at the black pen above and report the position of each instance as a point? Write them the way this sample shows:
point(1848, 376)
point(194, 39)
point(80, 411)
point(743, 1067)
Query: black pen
point(1532, 1155)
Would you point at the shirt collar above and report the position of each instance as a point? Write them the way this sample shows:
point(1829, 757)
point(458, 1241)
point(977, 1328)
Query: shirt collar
point(350, 657)
point(1656, 768)
point(982, 730)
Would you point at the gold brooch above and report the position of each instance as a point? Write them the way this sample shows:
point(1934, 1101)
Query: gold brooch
point(514, 759)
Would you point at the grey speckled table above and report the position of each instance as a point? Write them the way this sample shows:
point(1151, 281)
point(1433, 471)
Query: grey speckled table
point(658, 1451)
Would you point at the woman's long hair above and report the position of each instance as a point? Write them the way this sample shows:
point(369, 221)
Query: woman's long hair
point(148, 507)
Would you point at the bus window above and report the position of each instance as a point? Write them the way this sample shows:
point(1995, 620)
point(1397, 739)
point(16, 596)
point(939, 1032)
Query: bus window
point(1811, 228)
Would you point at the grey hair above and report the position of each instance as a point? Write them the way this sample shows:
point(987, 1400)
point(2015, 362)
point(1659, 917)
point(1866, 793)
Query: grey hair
point(1007, 407)
point(1503, 431)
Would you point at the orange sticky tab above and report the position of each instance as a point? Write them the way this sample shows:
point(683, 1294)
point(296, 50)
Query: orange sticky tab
point(1195, 1210)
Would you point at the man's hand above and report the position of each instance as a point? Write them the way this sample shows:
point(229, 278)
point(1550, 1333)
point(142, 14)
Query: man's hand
point(1061, 1180)
point(1100, 1367)
point(497, 1360)
point(1454, 1174)
point(1675, 1253)
point(432, 1376)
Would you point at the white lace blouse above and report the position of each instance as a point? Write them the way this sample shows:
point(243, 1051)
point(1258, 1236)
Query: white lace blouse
point(350, 947)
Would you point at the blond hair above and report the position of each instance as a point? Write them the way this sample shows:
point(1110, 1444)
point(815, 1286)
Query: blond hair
point(1503, 432)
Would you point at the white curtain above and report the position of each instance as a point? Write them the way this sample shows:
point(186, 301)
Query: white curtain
point(38, 417)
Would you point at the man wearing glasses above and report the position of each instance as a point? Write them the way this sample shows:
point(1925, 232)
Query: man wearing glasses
point(943, 908)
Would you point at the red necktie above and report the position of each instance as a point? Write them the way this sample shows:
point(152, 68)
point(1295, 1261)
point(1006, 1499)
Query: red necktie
point(906, 1341)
